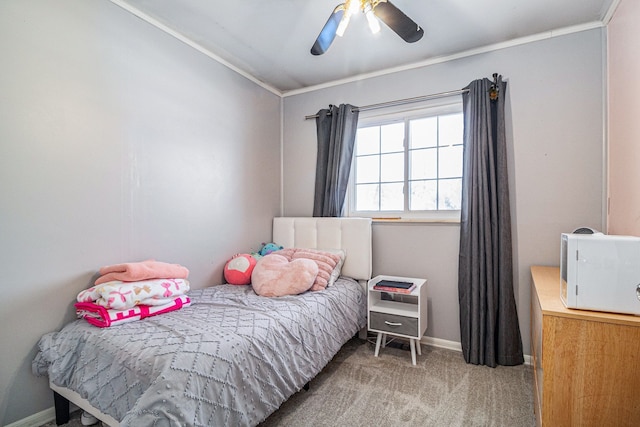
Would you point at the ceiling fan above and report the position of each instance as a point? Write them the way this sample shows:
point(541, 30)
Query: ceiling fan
point(393, 17)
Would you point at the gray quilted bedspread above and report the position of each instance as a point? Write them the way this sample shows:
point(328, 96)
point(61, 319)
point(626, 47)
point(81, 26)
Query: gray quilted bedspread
point(230, 359)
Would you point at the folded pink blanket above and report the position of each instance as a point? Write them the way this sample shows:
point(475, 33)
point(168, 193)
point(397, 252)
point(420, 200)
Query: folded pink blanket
point(134, 271)
point(102, 317)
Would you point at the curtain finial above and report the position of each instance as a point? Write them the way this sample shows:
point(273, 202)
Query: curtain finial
point(494, 91)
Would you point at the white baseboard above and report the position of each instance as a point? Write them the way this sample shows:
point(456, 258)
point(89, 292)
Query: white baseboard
point(456, 346)
point(36, 420)
point(42, 417)
point(437, 342)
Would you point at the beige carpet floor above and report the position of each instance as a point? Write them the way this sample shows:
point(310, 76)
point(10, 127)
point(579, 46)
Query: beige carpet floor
point(358, 389)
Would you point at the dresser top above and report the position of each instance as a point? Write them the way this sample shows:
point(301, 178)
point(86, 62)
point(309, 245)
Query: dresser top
point(546, 282)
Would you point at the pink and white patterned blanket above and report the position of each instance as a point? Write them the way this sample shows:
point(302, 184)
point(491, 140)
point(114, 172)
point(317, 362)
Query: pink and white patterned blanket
point(119, 295)
point(99, 316)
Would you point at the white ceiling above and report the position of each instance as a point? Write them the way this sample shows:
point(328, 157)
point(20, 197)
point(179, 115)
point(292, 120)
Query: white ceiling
point(269, 40)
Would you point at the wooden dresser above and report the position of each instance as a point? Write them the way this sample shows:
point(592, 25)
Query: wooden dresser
point(587, 363)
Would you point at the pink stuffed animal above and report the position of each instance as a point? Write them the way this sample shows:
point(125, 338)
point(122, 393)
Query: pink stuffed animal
point(238, 269)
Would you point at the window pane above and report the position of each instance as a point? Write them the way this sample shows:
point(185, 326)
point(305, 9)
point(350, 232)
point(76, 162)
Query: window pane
point(423, 164)
point(409, 165)
point(423, 196)
point(367, 197)
point(367, 169)
point(451, 162)
point(368, 140)
point(450, 194)
point(392, 138)
point(391, 197)
point(451, 129)
point(424, 132)
point(392, 167)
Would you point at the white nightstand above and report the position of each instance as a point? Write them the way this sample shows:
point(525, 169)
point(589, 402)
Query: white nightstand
point(398, 314)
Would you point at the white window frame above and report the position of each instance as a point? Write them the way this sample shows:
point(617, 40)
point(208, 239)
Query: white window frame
point(402, 114)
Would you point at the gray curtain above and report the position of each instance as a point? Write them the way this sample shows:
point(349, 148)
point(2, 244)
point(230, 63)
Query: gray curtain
point(336, 129)
point(490, 333)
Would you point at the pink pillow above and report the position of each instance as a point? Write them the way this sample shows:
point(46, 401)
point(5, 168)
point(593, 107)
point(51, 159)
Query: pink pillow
point(326, 262)
point(275, 276)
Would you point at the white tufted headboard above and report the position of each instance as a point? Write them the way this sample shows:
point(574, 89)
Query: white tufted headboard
point(353, 235)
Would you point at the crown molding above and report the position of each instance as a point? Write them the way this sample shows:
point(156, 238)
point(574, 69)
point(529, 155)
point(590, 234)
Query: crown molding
point(446, 58)
point(608, 16)
point(184, 39)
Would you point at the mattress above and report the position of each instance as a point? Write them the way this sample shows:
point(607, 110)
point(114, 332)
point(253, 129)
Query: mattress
point(231, 358)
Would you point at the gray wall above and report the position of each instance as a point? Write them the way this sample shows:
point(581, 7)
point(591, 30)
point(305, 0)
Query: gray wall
point(555, 103)
point(117, 143)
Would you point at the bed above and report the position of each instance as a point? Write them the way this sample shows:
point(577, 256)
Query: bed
point(231, 358)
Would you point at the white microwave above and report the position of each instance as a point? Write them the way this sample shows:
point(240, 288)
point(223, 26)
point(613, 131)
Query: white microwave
point(600, 272)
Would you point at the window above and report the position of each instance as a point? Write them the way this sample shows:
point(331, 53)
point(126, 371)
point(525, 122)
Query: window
point(409, 165)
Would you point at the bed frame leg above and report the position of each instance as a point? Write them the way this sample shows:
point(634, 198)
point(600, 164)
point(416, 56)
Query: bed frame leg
point(306, 387)
point(62, 409)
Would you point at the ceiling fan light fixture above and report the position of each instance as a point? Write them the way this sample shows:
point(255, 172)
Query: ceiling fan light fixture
point(352, 6)
point(375, 11)
point(374, 25)
point(344, 22)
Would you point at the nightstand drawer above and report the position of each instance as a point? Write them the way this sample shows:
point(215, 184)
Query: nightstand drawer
point(393, 323)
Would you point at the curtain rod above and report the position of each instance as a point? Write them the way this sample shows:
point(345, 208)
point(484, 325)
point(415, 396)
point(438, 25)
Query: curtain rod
point(403, 101)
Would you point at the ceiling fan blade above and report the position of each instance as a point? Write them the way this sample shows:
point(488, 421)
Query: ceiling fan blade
point(328, 33)
point(400, 23)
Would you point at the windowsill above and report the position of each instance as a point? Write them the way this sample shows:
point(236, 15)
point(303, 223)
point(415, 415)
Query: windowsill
point(400, 220)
